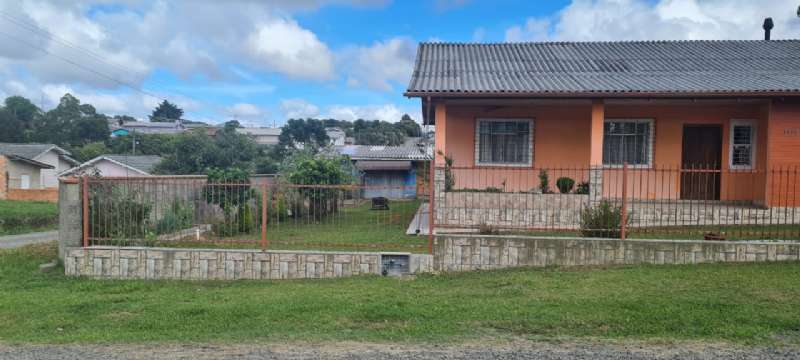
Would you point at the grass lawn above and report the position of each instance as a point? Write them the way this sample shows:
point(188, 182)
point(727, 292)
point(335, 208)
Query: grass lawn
point(19, 217)
point(740, 303)
point(352, 228)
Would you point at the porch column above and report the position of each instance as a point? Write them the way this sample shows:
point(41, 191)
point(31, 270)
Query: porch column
point(596, 150)
point(439, 174)
point(441, 124)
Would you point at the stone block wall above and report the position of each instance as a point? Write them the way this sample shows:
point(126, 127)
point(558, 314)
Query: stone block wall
point(467, 252)
point(223, 264)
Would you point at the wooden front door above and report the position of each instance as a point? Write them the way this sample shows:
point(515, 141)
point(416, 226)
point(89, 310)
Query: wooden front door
point(701, 162)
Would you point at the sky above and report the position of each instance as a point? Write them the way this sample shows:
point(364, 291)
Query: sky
point(263, 62)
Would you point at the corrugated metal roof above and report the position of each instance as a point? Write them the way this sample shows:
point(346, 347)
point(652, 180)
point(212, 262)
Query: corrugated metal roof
point(369, 152)
point(370, 165)
point(728, 66)
point(31, 151)
point(144, 163)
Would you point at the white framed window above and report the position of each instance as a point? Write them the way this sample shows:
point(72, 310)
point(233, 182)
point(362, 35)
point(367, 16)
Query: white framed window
point(504, 142)
point(628, 141)
point(24, 182)
point(742, 153)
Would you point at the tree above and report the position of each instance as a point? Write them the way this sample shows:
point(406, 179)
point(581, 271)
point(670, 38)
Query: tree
point(17, 119)
point(378, 133)
point(166, 112)
point(195, 152)
point(409, 126)
point(89, 151)
point(299, 133)
point(72, 124)
point(306, 168)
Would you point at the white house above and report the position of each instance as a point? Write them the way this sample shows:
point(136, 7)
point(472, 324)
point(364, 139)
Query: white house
point(29, 156)
point(116, 166)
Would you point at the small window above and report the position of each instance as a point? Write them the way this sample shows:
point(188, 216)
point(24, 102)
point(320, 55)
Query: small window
point(743, 138)
point(504, 142)
point(24, 182)
point(627, 141)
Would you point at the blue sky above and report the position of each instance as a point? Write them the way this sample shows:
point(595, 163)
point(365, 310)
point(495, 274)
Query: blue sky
point(262, 62)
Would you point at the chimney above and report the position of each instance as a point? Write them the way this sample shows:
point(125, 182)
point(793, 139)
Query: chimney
point(767, 27)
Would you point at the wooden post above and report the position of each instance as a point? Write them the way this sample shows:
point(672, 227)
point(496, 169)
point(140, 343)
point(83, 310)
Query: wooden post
point(85, 208)
point(264, 204)
point(624, 211)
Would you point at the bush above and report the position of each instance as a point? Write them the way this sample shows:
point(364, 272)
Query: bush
point(180, 216)
point(305, 168)
point(565, 185)
point(119, 214)
point(583, 188)
point(544, 182)
point(601, 220)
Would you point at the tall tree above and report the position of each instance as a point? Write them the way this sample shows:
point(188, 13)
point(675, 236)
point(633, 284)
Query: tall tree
point(299, 133)
point(17, 119)
point(166, 112)
point(72, 123)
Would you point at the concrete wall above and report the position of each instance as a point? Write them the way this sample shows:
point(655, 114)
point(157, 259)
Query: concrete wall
point(70, 223)
point(49, 177)
point(465, 252)
point(223, 264)
point(16, 169)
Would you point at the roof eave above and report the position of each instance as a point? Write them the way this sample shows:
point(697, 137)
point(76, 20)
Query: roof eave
point(602, 94)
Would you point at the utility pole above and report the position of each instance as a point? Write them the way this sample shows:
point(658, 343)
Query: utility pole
point(134, 142)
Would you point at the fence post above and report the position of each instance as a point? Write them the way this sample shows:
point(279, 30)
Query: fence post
point(264, 216)
point(431, 197)
point(624, 210)
point(85, 208)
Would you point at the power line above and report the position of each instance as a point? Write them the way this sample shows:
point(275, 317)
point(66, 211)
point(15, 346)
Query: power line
point(47, 34)
point(98, 73)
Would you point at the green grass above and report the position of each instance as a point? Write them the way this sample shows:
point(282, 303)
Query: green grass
point(352, 228)
point(19, 217)
point(739, 303)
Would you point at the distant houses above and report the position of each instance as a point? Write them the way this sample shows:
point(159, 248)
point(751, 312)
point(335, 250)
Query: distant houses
point(29, 171)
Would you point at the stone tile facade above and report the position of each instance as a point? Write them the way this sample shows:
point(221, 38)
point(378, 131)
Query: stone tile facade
point(223, 264)
point(467, 252)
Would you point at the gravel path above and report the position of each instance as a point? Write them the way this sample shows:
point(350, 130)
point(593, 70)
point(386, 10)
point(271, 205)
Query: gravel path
point(14, 241)
point(517, 350)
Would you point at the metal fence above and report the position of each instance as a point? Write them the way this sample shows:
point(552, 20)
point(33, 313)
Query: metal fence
point(626, 201)
point(190, 211)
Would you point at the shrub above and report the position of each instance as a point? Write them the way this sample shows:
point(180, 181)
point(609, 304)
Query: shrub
point(179, 216)
point(486, 229)
point(305, 168)
point(119, 214)
point(583, 188)
point(449, 179)
point(601, 220)
point(544, 182)
point(565, 185)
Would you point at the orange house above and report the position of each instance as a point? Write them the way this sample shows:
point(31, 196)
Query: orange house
point(690, 120)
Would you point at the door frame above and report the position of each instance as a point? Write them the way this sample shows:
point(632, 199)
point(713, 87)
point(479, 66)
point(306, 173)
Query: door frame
point(718, 167)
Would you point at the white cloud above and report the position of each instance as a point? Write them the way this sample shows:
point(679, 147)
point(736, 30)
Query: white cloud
point(245, 110)
point(298, 109)
point(585, 20)
point(386, 112)
point(283, 45)
point(380, 65)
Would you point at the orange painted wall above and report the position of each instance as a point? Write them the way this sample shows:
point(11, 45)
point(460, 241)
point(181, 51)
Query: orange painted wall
point(562, 141)
point(560, 137)
point(783, 183)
